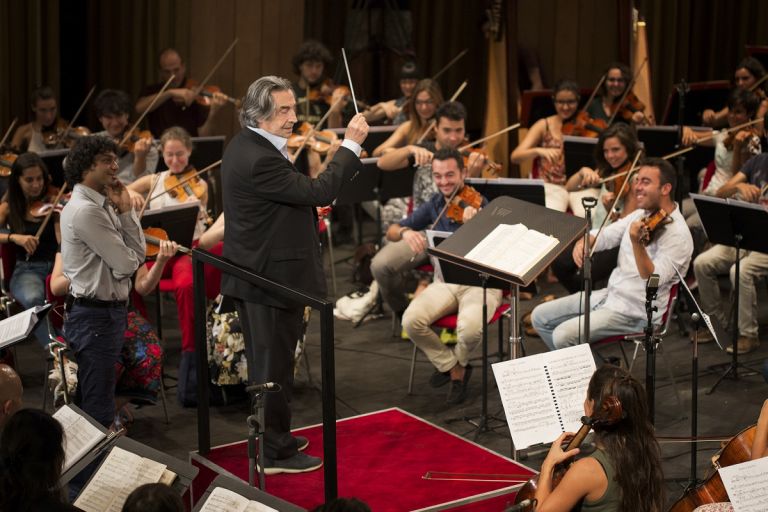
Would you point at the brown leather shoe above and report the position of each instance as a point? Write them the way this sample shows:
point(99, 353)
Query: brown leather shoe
point(745, 345)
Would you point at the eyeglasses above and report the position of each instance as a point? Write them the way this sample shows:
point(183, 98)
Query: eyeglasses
point(566, 102)
point(425, 102)
point(109, 161)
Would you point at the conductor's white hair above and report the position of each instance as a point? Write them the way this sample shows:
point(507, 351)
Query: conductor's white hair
point(258, 104)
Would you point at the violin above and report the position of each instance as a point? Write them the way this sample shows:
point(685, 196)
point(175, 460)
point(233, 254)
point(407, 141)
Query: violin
point(652, 223)
point(153, 237)
point(712, 490)
point(205, 93)
point(583, 125)
point(320, 141)
point(326, 90)
point(53, 200)
point(625, 109)
point(610, 413)
point(6, 162)
point(491, 169)
point(184, 185)
point(468, 196)
point(614, 184)
point(128, 144)
point(61, 134)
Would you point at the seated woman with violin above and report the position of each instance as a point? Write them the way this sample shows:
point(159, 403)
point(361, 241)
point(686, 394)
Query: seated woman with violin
point(614, 102)
point(624, 472)
point(615, 150)
point(544, 142)
point(28, 210)
point(32, 136)
point(178, 185)
point(420, 110)
point(750, 76)
point(733, 148)
point(392, 111)
point(138, 156)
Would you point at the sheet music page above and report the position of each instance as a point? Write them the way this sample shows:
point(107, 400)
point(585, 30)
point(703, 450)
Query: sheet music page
point(224, 500)
point(119, 474)
point(255, 506)
point(17, 327)
point(745, 484)
point(512, 248)
point(80, 436)
point(543, 394)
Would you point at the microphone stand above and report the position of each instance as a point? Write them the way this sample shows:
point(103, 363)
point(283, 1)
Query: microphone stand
point(650, 344)
point(682, 89)
point(255, 424)
point(586, 269)
point(696, 319)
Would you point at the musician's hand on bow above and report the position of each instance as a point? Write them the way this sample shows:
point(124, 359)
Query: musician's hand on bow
point(607, 198)
point(689, 137)
point(589, 178)
point(421, 156)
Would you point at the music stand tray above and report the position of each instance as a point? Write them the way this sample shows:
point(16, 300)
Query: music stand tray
point(658, 140)
point(364, 187)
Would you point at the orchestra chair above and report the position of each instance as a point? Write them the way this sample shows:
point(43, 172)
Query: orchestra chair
point(638, 338)
point(449, 322)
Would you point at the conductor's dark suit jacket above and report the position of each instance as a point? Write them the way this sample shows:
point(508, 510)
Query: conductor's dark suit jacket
point(270, 217)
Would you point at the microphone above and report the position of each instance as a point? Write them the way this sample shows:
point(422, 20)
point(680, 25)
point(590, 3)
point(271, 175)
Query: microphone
point(522, 506)
point(267, 386)
point(651, 287)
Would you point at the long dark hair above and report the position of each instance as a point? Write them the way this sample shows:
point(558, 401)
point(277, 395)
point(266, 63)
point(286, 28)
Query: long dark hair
point(627, 136)
point(626, 74)
point(31, 459)
point(630, 443)
point(17, 203)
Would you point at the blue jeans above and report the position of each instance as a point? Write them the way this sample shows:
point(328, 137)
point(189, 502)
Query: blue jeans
point(28, 288)
point(560, 323)
point(96, 335)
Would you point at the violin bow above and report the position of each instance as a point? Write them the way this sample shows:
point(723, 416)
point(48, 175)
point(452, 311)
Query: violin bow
point(488, 137)
point(312, 131)
point(149, 194)
point(630, 85)
point(632, 169)
point(349, 79)
point(594, 93)
point(757, 84)
point(710, 137)
point(433, 123)
point(49, 214)
point(148, 109)
point(77, 114)
point(445, 207)
point(198, 173)
point(215, 67)
point(450, 63)
point(8, 131)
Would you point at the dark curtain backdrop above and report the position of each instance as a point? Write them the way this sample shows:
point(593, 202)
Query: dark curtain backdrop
point(699, 40)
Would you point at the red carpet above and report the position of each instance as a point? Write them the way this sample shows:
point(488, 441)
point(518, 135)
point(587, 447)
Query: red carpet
point(382, 459)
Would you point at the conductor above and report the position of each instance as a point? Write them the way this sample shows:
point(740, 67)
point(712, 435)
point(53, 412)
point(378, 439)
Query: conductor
point(270, 209)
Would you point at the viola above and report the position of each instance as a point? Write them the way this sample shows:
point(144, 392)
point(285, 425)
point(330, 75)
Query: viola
point(609, 413)
point(583, 125)
point(153, 237)
point(320, 141)
point(6, 162)
point(712, 490)
point(467, 196)
point(184, 185)
point(652, 223)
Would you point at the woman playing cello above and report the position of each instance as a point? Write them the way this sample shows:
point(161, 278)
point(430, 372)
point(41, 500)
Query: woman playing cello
point(624, 472)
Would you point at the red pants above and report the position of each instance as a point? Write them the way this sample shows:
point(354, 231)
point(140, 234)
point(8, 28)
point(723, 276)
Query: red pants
point(177, 278)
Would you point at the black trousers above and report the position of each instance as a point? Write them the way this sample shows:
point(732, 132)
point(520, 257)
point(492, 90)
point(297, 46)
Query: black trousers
point(270, 343)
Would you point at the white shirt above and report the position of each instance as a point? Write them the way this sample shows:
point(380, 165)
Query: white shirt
point(281, 143)
point(670, 248)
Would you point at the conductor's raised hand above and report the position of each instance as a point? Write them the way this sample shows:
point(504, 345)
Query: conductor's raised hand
point(357, 129)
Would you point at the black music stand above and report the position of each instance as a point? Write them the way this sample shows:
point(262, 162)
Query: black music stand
point(54, 162)
point(506, 210)
point(740, 225)
point(178, 221)
point(579, 152)
point(658, 140)
point(9, 338)
point(246, 491)
point(519, 188)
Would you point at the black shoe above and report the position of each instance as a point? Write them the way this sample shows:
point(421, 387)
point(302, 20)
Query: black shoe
point(299, 463)
point(457, 393)
point(439, 379)
point(301, 443)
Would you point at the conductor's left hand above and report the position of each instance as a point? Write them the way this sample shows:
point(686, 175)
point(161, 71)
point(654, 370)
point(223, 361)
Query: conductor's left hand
point(357, 129)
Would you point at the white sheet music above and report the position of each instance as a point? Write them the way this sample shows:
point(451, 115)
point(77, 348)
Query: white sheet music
point(224, 500)
point(543, 395)
point(19, 326)
point(512, 248)
point(745, 484)
point(80, 436)
point(119, 474)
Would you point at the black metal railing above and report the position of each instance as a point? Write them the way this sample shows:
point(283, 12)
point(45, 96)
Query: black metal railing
point(327, 365)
